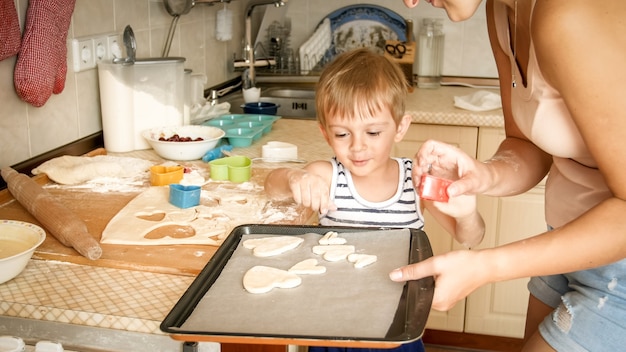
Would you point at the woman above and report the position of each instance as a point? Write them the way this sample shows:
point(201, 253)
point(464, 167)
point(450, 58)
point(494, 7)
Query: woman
point(561, 65)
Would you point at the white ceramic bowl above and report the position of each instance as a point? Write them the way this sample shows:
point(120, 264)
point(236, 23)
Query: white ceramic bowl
point(18, 241)
point(183, 150)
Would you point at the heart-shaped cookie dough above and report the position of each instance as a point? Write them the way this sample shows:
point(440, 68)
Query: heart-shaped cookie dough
point(331, 237)
point(155, 216)
point(335, 252)
point(307, 267)
point(262, 279)
point(362, 260)
point(171, 230)
point(274, 245)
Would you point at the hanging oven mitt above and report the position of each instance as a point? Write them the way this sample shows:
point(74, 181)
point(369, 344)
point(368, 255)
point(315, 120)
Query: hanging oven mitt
point(10, 35)
point(42, 61)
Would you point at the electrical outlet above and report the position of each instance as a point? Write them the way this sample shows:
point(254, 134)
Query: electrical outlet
point(101, 48)
point(88, 51)
point(83, 54)
point(115, 49)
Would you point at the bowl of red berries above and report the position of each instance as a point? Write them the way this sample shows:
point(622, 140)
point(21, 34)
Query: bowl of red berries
point(188, 142)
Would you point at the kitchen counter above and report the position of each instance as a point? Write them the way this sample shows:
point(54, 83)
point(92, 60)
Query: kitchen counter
point(87, 306)
point(436, 106)
point(51, 298)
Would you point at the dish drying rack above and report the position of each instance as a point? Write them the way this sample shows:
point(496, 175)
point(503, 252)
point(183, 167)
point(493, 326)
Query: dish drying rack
point(281, 59)
point(313, 53)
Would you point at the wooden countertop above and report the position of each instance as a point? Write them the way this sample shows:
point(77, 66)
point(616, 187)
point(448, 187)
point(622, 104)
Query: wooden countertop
point(97, 208)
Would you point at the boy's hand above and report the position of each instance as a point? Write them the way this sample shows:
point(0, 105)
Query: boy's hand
point(458, 207)
point(310, 190)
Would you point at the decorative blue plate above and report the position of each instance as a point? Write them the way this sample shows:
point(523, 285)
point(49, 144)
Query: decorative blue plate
point(359, 26)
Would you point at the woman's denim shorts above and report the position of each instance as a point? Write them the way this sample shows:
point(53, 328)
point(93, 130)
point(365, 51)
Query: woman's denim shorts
point(590, 308)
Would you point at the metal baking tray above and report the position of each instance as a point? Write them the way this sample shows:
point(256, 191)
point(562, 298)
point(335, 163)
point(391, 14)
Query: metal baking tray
point(405, 322)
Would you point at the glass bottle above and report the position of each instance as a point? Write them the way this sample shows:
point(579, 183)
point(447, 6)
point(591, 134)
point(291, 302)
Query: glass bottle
point(430, 53)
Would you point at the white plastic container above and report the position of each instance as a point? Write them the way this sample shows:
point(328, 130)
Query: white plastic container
point(139, 96)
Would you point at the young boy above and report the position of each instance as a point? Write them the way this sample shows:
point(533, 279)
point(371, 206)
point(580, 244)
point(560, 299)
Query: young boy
point(360, 105)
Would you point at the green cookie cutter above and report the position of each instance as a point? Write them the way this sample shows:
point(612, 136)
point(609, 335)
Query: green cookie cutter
point(233, 168)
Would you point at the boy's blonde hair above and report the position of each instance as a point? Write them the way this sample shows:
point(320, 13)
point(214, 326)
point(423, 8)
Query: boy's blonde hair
point(360, 83)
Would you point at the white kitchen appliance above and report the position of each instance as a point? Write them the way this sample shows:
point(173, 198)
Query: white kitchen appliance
point(137, 96)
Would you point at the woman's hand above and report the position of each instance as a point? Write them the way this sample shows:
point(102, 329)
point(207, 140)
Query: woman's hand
point(456, 274)
point(446, 161)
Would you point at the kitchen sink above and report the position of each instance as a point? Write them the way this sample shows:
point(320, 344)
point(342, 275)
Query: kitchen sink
point(294, 102)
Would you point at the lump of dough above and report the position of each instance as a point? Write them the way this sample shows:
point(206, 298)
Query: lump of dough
point(307, 267)
point(262, 279)
point(71, 170)
point(331, 237)
point(361, 260)
point(270, 246)
point(335, 252)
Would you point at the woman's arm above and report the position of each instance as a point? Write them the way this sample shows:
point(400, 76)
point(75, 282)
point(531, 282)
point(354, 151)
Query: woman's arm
point(586, 66)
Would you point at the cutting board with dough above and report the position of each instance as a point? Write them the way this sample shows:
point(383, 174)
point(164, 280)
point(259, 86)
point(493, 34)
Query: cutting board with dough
point(98, 208)
point(150, 219)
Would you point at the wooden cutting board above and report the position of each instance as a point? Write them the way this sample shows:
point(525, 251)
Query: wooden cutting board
point(97, 209)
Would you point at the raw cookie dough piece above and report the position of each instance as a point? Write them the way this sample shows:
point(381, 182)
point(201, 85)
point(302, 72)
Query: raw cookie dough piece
point(307, 267)
point(334, 252)
point(71, 170)
point(362, 260)
point(331, 237)
point(270, 246)
point(262, 279)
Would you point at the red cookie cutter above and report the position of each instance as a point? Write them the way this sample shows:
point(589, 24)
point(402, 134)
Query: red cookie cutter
point(434, 188)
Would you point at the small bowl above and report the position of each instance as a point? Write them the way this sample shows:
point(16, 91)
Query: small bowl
point(261, 107)
point(184, 196)
point(233, 168)
point(175, 150)
point(18, 241)
point(164, 175)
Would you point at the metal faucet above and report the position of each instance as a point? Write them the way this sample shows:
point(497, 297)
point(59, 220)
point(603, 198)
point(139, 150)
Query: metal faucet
point(248, 48)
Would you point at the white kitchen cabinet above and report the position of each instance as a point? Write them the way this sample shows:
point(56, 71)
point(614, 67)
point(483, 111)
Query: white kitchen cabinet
point(495, 309)
point(500, 309)
point(465, 138)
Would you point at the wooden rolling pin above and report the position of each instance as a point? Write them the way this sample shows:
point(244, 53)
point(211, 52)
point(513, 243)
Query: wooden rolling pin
point(60, 221)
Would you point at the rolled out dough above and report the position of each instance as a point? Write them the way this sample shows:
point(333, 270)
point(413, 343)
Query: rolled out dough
point(262, 279)
point(308, 267)
point(334, 252)
point(361, 260)
point(331, 237)
point(71, 170)
point(274, 245)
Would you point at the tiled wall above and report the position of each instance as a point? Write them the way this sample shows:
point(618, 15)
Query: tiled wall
point(26, 131)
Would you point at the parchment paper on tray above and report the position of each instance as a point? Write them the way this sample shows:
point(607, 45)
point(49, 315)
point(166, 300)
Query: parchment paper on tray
point(345, 302)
